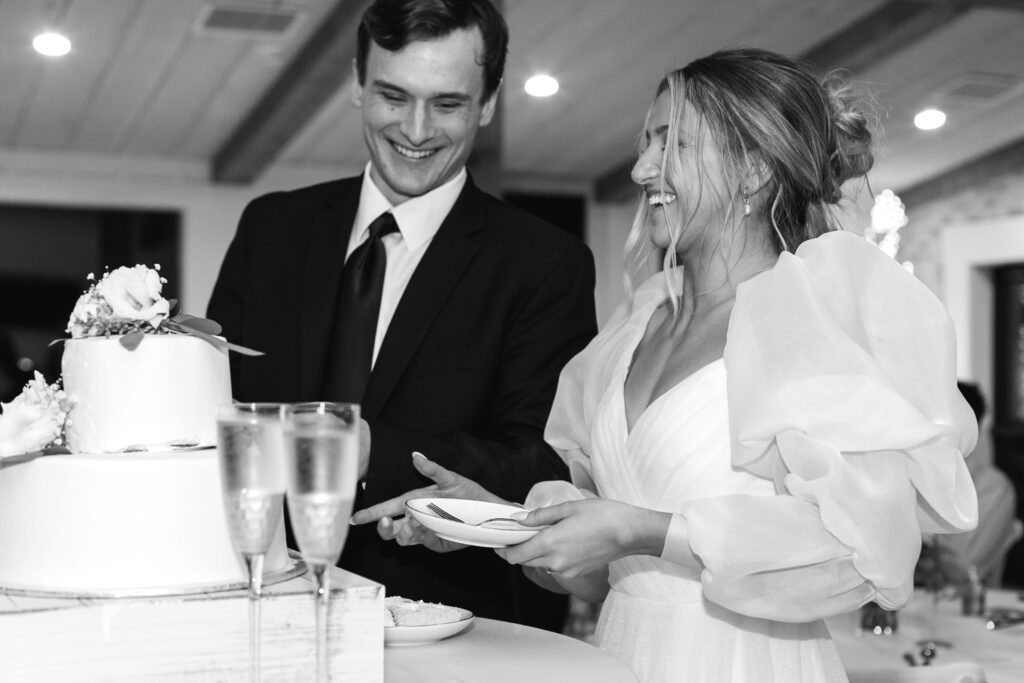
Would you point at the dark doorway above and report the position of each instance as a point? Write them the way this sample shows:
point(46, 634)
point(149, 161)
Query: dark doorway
point(46, 254)
point(569, 212)
point(1008, 383)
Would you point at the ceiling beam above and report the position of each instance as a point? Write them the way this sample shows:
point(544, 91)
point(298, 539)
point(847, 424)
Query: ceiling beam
point(879, 34)
point(999, 162)
point(314, 75)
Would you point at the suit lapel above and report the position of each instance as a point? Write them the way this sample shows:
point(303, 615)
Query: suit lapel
point(329, 231)
point(447, 257)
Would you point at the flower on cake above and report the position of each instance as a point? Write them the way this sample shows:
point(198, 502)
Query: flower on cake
point(34, 419)
point(134, 294)
point(123, 301)
point(127, 302)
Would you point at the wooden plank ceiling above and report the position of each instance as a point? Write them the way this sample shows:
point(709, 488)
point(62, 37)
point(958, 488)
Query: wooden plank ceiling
point(147, 80)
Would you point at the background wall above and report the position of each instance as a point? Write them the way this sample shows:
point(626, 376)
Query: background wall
point(954, 241)
point(209, 214)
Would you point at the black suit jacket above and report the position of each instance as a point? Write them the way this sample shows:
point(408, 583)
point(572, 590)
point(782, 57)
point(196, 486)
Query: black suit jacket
point(466, 373)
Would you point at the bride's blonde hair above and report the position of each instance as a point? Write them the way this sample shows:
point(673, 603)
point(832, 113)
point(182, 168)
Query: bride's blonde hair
point(807, 133)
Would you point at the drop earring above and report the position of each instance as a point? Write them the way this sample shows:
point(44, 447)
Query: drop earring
point(746, 204)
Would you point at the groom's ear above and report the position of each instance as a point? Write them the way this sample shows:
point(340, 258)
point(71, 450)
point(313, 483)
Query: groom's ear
point(357, 88)
point(487, 111)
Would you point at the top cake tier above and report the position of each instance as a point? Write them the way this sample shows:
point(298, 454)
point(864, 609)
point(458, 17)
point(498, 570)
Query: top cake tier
point(165, 391)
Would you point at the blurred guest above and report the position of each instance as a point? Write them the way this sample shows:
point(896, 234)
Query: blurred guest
point(985, 547)
point(445, 312)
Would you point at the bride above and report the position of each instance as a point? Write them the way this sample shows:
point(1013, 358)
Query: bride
point(759, 437)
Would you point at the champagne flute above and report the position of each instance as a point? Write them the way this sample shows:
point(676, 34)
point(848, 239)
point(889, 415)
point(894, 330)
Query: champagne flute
point(250, 450)
point(321, 467)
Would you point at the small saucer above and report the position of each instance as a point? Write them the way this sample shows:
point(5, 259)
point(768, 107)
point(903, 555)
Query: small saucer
point(472, 512)
point(420, 635)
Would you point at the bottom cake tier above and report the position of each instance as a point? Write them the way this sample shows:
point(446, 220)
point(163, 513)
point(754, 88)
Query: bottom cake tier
point(120, 524)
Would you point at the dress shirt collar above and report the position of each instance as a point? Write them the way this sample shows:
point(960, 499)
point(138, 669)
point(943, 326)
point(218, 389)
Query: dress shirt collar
point(418, 218)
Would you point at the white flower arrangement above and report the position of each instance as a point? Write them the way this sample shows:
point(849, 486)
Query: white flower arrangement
point(35, 419)
point(123, 301)
point(128, 302)
point(888, 215)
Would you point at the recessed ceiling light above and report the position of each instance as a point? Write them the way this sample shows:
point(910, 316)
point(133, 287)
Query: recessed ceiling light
point(51, 44)
point(541, 85)
point(929, 119)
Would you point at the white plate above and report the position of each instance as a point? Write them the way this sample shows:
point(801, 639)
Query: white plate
point(418, 635)
point(472, 512)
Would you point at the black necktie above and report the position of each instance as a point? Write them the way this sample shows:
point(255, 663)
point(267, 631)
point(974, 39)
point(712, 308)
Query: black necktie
point(362, 281)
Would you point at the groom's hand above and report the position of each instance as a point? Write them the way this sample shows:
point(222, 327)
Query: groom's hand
point(447, 484)
point(407, 531)
point(391, 525)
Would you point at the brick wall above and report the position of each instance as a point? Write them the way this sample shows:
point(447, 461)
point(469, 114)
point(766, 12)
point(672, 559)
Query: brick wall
point(921, 240)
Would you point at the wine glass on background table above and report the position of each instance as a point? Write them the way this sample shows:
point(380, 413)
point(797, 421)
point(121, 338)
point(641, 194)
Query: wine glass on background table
point(251, 455)
point(321, 468)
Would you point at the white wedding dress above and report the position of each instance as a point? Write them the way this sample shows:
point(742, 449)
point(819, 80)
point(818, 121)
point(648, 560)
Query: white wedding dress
point(796, 466)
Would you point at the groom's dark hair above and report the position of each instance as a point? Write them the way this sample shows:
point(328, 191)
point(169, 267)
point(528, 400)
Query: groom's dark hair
point(393, 24)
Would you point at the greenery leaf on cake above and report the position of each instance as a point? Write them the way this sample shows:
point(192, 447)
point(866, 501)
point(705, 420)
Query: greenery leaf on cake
point(131, 340)
point(219, 342)
point(203, 325)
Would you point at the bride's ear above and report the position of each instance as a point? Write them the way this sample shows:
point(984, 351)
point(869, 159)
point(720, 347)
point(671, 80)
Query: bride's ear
point(756, 174)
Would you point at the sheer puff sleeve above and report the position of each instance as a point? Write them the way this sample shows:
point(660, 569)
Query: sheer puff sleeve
point(842, 390)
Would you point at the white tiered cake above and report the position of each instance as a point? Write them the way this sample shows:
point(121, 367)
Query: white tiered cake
point(136, 507)
point(114, 556)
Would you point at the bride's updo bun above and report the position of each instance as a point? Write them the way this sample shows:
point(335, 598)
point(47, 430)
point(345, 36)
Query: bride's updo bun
point(853, 156)
point(806, 135)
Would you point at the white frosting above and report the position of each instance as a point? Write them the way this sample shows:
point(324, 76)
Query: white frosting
point(119, 522)
point(164, 391)
point(98, 521)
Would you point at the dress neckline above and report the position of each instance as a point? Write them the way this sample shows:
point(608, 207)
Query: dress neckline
point(627, 364)
point(658, 399)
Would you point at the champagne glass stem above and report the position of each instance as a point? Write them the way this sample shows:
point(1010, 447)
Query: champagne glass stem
point(254, 565)
point(323, 596)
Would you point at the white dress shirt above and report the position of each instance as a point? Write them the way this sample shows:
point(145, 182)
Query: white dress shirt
point(418, 221)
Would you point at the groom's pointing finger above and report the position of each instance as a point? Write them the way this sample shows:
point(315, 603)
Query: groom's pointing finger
point(395, 507)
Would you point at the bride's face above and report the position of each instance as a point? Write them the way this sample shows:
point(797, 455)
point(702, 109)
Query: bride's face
point(682, 180)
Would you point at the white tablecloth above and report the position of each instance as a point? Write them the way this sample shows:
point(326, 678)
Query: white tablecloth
point(1000, 652)
point(500, 652)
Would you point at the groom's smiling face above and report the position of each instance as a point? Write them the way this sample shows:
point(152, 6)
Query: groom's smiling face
point(422, 107)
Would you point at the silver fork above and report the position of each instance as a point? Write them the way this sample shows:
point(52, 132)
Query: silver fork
point(444, 514)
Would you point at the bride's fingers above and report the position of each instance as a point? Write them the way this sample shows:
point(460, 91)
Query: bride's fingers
point(530, 553)
point(545, 516)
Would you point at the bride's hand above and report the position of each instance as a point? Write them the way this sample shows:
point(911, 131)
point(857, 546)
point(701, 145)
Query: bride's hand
point(586, 535)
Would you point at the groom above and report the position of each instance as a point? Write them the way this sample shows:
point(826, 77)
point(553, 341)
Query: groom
point(446, 313)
